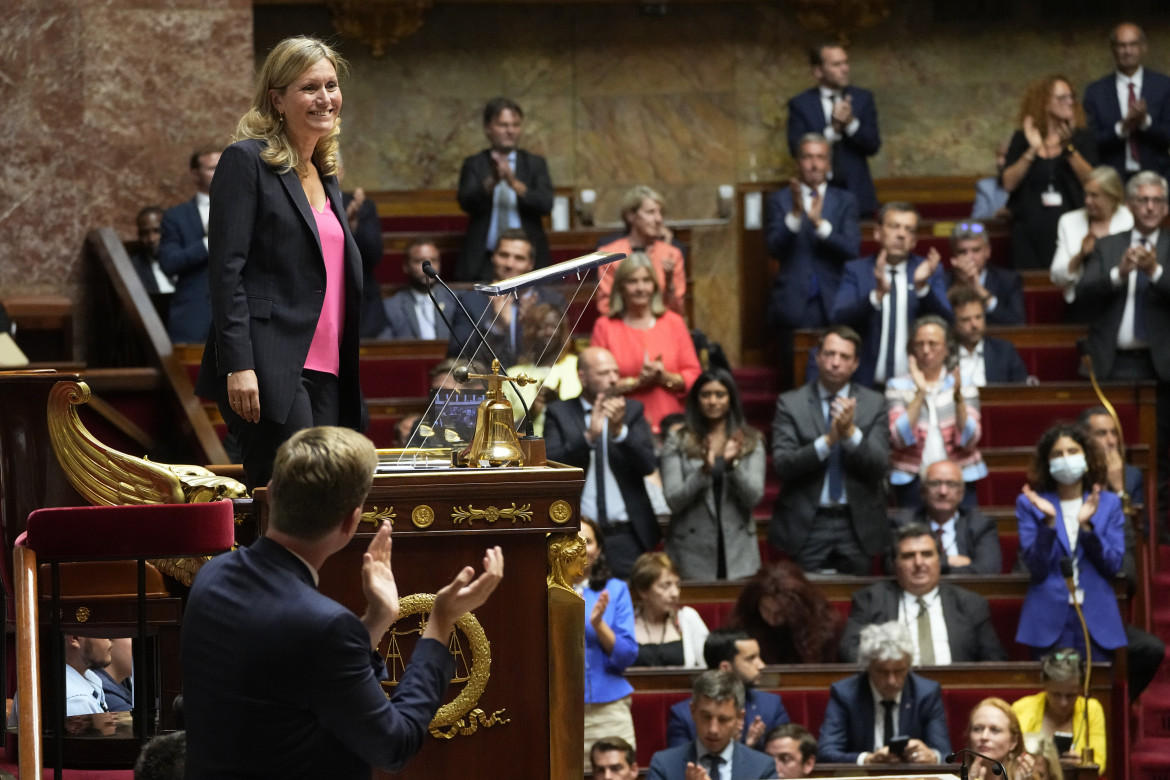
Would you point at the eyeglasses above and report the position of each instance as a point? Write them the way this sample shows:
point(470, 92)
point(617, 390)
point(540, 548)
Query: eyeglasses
point(1065, 98)
point(1150, 201)
point(935, 484)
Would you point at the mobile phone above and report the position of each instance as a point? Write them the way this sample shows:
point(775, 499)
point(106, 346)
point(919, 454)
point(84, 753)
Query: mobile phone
point(1063, 742)
point(897, 745)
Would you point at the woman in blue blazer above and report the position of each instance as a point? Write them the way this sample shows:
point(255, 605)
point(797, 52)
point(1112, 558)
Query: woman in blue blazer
point(285, 273)
point(1065, 513)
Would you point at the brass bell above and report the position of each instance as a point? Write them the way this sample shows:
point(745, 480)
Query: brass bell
point(494, 442)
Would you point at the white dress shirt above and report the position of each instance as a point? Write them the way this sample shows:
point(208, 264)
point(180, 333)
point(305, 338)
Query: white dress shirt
point(908, 613)
point(792, 221)
point(203, 203)
point(828, 97)
point(972, 369)
point(1125, 333)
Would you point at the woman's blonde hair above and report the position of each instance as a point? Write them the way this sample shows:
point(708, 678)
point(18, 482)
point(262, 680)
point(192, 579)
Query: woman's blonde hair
point(625, 270)
point(284, 64)
point(1110, 183)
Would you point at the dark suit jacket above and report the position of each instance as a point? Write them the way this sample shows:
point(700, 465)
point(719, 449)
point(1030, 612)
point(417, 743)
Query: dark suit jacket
point(536, 204)
point(853, 308)
point(402, 319)
point(268, 284)
point(182, 257)
point(806, 285)
point(279, 680)
point(746, 764)
point(630, 461)
point(798, 423)
point(1097, 293)
point(975, 536)
point(368, 237)
point(967, 615)
point(850, 166)
point(478, 306)
point(680, 726)
point(143, 266)
point(847, 730)
point(1103, 111)
point(1001, 362)
point(1008, 288)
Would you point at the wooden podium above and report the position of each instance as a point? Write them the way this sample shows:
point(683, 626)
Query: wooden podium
point(516, 704)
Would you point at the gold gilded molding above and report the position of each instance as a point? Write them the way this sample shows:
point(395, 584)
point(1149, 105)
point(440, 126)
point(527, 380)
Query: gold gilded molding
point(377, 23)
point(82, 614)
point(560, 512)
point(474, 720)
point(476, 675)
point(492, 514)
point(422, 516)
point(376, 516)
point(839, 17)
point(566, 561)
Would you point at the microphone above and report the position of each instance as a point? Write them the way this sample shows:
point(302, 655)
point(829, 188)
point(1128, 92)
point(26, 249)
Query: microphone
point(463, 371)
point(996, 767)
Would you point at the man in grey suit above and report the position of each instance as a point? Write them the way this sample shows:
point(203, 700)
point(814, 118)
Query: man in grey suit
point(410, 313)
point(717, 707)
point(948, 623)
point(831, 448)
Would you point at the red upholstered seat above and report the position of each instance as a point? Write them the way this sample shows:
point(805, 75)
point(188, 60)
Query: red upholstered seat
point(110, 532)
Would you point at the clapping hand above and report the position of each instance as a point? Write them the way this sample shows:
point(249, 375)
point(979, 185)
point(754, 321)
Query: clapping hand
point(797, 197)
point(843, 112)
point(916, 374)
point(924, 270)
point(1089, 508)
point(1042, 504)
point(599, 607)
point(880, 277)
point(1032, 134)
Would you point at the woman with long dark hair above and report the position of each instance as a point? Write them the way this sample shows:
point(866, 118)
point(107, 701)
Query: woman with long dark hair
point(791, 620)
point(713, 477)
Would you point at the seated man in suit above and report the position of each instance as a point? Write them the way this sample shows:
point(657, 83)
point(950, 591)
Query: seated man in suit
point(732, 649)
point(793, 748)
point(969, 540)
point(607, 435)
point(410, 312)
point(500, 188)
point(145, 260)
point(282, 681)
point(846, 116)
point(983, 360)
point(182, 254)
point(884, 701)
point(831, 450)
point(612, 758)
point(500, 315)
point(717, 703)
point(881, 295)
point(1000, 289)
point(953, 624)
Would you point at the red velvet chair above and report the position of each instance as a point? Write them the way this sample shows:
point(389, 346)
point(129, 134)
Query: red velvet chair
point(107, 533)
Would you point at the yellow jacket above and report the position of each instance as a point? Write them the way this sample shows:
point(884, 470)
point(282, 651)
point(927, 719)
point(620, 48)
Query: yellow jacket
point(1030, 711)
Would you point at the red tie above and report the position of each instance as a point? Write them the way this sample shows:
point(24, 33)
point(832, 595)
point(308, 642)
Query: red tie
point(1133, 147)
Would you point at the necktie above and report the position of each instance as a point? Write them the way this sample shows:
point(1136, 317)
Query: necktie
point(713, 763)
point(602, 463)
point(888, 720)
point(938, 536)
point(925, 639)
point(835, 472)
point(1133, 146)
point(891, 323)
point(1139, 300)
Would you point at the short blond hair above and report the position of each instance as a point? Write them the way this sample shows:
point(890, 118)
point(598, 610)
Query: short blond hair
point(625, 270)
point(320, 475)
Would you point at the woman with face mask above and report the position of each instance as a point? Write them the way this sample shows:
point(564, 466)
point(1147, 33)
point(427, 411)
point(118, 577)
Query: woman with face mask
point(1065, 514)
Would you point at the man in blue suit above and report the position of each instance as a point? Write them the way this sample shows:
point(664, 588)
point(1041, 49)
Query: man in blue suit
point(983, 359)
point(410, 312)
point(884, 701)
point(732, 649)
point(882, 294)
point(846, 116)
point(1129, 110)
point(182, 254)
point(1001, 289)
point(717, 709)
point(283, 681)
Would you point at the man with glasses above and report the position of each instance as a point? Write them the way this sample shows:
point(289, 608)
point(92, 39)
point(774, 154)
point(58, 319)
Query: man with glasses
point(1001, 289)
point(968, 539)
point(1129, 110)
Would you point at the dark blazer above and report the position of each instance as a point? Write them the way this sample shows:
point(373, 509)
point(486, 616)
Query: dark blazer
point(143, 266)
point(850, 166)
point(630, 461)
point(1008, 288)
point(536, 204)
point(853, 308)
point(402, 319)
point(279, 680)
point(1103, 112)
point(1001, 362)
point(847, 730)
point(269, 284)
point(368, 237)
point(967, 615)
point(975, 536)
point(806, 285)
point(680, 726)
point(478, 306)
point(746, 764)
point(798, 423)
point(182, 256)
point(1097, 293)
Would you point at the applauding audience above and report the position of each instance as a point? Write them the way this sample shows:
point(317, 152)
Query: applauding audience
point(667, 634)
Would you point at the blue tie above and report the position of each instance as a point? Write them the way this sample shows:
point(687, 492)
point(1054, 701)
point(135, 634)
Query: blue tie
point(892, 323)
point(713, 763)
point(835, 475)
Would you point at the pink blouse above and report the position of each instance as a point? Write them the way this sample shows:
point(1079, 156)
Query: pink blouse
point(325, 352)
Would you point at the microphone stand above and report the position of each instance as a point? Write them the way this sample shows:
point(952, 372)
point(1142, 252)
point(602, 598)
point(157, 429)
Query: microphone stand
point(964, 768)
point(1067, 567)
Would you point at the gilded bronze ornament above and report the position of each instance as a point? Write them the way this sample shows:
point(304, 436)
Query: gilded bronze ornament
point(422, 516)
point(560, 512)
point(492, 514)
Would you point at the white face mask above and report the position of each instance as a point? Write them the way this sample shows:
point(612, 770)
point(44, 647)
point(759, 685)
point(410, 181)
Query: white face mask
point(1068, 469)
